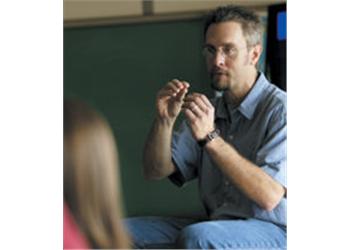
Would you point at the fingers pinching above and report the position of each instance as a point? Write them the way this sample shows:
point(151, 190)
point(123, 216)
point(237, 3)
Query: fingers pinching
point(173, 86)
point(181, 88)
point(186, 84)
point(181, 94)
point(180, 84)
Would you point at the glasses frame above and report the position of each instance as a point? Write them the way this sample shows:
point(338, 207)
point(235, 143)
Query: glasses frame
point(226, 51)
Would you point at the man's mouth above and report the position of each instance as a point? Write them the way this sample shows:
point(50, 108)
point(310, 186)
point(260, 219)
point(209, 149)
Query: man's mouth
point(219, 73)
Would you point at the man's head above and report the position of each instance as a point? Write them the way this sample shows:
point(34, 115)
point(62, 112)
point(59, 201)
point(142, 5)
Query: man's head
point(232, 47)
point(250, 22)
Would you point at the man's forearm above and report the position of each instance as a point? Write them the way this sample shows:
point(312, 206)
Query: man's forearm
point(253, 181)
point(157, 162)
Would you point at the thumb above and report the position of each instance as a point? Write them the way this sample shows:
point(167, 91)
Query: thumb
point(181, 95)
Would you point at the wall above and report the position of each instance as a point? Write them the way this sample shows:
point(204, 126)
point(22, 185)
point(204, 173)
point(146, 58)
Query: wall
point(119, 70)
point(102, 12)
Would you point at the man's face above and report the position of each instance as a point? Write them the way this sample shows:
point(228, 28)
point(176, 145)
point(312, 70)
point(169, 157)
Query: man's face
point(229, 61)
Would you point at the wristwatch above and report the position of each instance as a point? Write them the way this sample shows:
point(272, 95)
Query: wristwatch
point(211, 136)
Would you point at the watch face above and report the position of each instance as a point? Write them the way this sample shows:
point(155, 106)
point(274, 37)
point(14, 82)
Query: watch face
point(212, 135)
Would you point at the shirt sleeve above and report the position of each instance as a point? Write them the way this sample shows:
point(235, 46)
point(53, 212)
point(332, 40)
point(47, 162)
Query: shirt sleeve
point(185, 155)
point(272, 156)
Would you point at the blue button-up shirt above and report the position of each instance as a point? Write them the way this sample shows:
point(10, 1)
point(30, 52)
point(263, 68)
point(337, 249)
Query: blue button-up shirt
point(257, 130)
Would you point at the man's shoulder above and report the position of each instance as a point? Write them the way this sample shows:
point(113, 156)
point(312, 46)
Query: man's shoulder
point(275, 98)
point(273, 103)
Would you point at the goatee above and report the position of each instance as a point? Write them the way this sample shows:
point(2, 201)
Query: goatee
point(217, 83)
point(214, 85)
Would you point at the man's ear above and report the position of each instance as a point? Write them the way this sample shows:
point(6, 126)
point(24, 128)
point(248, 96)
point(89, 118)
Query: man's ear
point(255, 54)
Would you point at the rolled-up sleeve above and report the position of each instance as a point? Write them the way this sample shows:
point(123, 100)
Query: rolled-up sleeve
point(272, 156)
point(185, 155)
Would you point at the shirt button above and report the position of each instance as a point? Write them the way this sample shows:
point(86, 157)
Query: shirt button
point(226, 183)
point(230, 137)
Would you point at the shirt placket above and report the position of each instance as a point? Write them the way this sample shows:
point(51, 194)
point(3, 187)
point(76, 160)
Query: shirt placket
point(230, 131)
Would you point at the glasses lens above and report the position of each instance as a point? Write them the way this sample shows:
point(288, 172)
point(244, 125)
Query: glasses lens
point(209, 52)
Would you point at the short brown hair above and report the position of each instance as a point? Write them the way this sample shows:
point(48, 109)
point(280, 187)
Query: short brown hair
point(250, 22)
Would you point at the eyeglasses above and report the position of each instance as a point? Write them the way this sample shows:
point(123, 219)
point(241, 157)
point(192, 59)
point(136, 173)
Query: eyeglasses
point(226, 51)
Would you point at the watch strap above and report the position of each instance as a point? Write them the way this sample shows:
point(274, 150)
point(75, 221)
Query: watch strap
point(209, 137)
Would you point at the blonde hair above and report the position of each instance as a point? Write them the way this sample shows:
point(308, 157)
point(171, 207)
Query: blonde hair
point(91, 176)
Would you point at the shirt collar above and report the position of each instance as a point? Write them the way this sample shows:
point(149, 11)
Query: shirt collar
point(248, 105)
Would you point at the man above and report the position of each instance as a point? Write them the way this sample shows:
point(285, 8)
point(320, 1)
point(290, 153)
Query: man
point(234, 144)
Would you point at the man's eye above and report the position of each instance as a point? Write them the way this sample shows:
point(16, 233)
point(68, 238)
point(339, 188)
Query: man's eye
point(229, 50)
point(211, 50)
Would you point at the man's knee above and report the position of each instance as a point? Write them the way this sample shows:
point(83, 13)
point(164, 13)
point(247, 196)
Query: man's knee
point(215, 235)
point(153, 231)
point(196, 236)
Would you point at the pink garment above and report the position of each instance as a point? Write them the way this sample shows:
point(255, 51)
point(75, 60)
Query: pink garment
point(72, 237)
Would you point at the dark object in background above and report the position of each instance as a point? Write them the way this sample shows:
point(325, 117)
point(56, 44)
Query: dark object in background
point(276, 56)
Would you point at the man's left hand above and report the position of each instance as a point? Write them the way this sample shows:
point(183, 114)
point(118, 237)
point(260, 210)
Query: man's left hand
point(200, 115)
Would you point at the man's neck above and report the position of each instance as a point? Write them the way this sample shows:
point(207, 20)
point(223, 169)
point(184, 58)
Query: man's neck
point(236, 96)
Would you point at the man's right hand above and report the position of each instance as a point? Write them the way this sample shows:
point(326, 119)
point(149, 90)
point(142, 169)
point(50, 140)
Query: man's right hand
point(170, 99)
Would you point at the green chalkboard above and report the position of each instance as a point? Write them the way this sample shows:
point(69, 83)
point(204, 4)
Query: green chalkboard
point(118, 70)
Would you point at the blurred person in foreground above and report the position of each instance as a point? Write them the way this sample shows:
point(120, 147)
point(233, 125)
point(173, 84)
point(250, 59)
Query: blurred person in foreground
point(92, 193)
point(234, 144)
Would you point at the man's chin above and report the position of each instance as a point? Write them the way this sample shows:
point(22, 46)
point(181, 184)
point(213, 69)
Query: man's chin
point(219, 86)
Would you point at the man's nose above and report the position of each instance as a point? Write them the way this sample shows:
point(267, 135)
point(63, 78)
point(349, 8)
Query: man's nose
point(219, 59)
